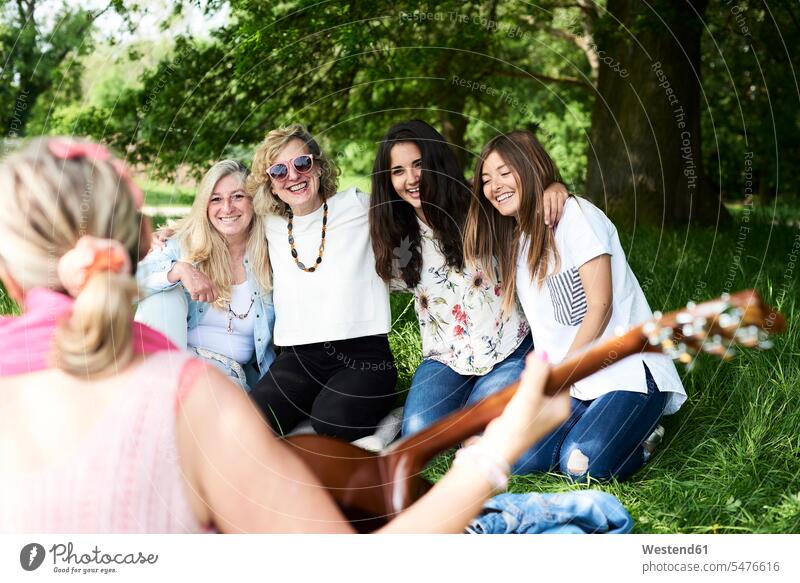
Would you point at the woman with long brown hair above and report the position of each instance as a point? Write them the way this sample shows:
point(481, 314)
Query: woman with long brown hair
point(418, 208)
point(575, 286)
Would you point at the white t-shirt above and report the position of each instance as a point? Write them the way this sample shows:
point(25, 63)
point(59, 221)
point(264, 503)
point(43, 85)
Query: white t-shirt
point(212, 330)
point(556, 309)
point(344, 298)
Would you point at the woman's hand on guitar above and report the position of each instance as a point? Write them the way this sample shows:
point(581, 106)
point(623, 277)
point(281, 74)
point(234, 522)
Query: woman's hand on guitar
point(530, 415)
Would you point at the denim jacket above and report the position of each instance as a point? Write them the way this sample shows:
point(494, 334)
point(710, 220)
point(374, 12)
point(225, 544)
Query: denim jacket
point(151, 277)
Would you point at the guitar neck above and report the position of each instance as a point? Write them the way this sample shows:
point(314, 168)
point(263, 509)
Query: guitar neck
point(458, 426)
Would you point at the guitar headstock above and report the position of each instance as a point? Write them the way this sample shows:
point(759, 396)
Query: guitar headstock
point(718, 327)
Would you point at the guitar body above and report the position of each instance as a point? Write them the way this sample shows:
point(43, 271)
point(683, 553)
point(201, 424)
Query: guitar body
point(369, 488)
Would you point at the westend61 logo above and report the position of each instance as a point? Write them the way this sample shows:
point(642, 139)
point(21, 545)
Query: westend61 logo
point(66, 560)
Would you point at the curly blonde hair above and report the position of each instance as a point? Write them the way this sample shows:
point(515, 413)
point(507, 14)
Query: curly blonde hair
point(259, 185)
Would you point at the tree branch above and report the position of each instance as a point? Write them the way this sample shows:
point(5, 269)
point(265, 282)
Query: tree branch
point(546, 78)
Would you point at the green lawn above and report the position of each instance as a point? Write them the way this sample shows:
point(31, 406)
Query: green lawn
point(730, 461)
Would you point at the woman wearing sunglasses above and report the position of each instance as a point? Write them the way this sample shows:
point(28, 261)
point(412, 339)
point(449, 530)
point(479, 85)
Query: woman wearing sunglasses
point(332, 311)
point(208, 288)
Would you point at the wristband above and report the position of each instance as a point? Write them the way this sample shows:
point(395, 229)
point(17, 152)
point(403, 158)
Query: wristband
point(494, 468)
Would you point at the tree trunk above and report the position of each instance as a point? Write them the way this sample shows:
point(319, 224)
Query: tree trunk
point(644, 162)
point(454, 128)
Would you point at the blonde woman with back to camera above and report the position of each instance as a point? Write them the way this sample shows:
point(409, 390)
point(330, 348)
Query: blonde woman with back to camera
point(105, 429)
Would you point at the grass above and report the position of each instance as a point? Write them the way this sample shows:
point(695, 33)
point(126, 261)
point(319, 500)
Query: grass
point(730, 461)
point(164, 194)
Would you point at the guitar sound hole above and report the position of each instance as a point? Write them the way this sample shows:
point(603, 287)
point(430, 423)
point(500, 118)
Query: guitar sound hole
point(363, 521)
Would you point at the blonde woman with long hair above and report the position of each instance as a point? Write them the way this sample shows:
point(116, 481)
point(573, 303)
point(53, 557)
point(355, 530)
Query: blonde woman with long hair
point(209, 287)
point(575, 286)
point(112, 432)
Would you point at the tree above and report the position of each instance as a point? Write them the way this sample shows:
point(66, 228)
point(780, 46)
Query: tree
point(645, 160)
point(473, 68)
point(750, 69)
point(347, 70)
point(35, 59)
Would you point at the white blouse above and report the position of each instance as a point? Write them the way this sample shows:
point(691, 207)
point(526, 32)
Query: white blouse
point(460, 316)
point(344, 297)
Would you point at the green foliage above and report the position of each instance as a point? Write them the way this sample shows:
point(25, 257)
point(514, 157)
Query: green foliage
point(751, 121)
point(41, 65)
point(348, 71)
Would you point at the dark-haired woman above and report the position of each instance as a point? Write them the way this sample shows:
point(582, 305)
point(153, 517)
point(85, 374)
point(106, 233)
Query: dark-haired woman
point(575, 286)
point(418, 210)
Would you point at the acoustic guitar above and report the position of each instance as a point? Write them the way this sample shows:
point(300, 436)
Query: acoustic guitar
point(372, 488)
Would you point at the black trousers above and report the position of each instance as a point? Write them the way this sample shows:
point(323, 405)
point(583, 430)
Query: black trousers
point(345, 386)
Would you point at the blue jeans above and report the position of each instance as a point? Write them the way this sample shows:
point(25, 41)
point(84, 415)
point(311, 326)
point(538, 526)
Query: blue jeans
point(438, 390)
point(582, 512)
point(602, 438)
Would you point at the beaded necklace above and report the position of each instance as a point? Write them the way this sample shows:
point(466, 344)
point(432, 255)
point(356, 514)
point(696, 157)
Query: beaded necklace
point(290, 226)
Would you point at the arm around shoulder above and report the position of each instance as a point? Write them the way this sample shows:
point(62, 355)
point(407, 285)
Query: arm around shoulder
point(153, 272)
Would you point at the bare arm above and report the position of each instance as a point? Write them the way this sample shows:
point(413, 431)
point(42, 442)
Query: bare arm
point(596, 280)
point(197, 283)
point(244, 479)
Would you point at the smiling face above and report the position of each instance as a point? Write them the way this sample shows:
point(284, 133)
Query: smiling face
point(405, 169)
point(299, 191)
point(500, 185)
point(230, 210)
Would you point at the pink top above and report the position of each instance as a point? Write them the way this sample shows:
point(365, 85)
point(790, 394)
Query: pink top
point(26, 340)
point(124, 478)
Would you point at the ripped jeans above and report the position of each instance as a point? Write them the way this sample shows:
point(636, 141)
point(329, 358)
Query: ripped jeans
point(602, 437)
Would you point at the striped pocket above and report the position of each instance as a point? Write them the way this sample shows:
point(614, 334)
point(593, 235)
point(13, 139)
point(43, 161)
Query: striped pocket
point(567, 297)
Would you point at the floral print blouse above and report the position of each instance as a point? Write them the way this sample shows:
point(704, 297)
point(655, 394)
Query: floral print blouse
point(460, 316)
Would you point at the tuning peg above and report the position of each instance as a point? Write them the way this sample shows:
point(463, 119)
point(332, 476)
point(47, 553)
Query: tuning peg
point(747, 336)
point(764, 343)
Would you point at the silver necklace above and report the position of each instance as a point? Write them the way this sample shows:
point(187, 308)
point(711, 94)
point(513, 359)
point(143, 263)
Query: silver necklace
point(232, 314)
